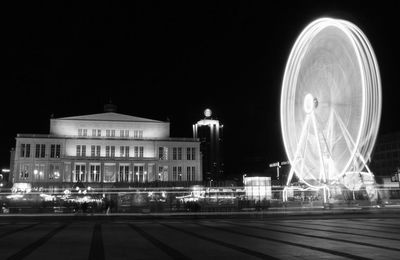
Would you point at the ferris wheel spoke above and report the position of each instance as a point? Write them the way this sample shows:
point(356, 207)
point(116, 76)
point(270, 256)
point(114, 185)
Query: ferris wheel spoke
point(321, 159)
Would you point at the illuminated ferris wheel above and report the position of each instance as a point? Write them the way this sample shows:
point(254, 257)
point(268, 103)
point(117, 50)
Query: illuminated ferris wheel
point(330, 103)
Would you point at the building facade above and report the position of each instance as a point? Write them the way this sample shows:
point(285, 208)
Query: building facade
point(105, 150)
point(210, 133)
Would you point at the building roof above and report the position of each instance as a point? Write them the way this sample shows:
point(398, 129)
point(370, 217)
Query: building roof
point(110, 116)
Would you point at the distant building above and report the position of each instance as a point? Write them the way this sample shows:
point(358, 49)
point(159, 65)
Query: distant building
point(105, 150)
point(386, 157)
point(210, 133)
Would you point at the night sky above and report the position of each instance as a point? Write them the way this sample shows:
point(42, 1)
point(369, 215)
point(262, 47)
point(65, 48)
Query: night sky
point(172, 61)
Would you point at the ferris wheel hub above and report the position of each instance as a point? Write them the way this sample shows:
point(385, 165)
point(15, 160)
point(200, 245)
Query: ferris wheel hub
point(310, 103)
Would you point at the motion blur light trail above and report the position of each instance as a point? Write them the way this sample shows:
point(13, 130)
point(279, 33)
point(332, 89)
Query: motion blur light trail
point(330, 103)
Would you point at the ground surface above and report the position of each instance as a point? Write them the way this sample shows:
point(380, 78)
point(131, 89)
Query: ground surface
point(303, 237)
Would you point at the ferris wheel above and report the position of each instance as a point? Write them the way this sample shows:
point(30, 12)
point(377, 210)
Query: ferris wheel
point(330, 103)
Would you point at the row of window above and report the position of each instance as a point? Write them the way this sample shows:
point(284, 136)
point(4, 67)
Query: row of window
point(138, 134)
point(95, 151)
point(177, 153)
point(40, 151)
point(92, 173)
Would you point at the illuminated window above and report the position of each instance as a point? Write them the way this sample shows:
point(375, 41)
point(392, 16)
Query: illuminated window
point(38, 172)
point(109, 173)
point(24, 172)
point(138, 172)
point(179, 173)
point(94, 173)
point(80, 172)
point(58, 151)
point(163, 153)
point(54, 173)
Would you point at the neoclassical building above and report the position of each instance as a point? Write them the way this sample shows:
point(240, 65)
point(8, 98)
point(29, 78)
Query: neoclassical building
point(105, 150)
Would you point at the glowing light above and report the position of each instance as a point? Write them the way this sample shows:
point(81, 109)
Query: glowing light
point(330, 103)
point(207, 112)
point(35, 172)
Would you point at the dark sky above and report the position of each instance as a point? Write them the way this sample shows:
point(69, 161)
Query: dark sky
point(174, 60)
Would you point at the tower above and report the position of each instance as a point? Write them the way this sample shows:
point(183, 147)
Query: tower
point(210, 133)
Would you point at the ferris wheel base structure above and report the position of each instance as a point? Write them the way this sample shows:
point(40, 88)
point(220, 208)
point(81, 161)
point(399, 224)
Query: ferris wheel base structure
point(330, 109)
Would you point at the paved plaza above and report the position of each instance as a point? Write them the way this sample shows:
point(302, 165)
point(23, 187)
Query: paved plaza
point(336, 237)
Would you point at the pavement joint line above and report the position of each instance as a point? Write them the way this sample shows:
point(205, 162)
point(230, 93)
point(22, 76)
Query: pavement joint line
point(333, 252)
point(322, 237)
point(96, 247)
point(355, 228)
point(33, 246)
point(222, 243)
point(331, 231)
point(373, 224)
point(10, 232)
point(172, 252)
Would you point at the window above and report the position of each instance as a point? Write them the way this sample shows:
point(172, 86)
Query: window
point(79, 132)
point(180, 153)
point(139, 174)
point(193, 153)
point(78, 150)
point(58, 150)
point(112, 151)
point(141, 149)
point(83, 150)
point(94, 173)
point(80, 172)
point(126, 151)
point(98, 132)
point(22, 150)
point(93, 151)
point(136, 151)
point(108, 133)
point(98, 150)
point(188, 153)
point(124, 173)
point(84, 132)
point(126, 133)
point(54, 173)
point(94, 132)
point(193, 173)
point(43, 150)
point(24, 171)
point(174, 153)
point(28, 151)
point(163, 153)
point(112, 133)
point(188, 174)
point(160, 173)
point(37, 150)
point(38, 172)
point(52, 151)
point(107, 151)
point(121, 133)
point(25, 150)
point(109, 173)
point(174, 173)
point(140, 134)
point(179, 173)
point(122, 151)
